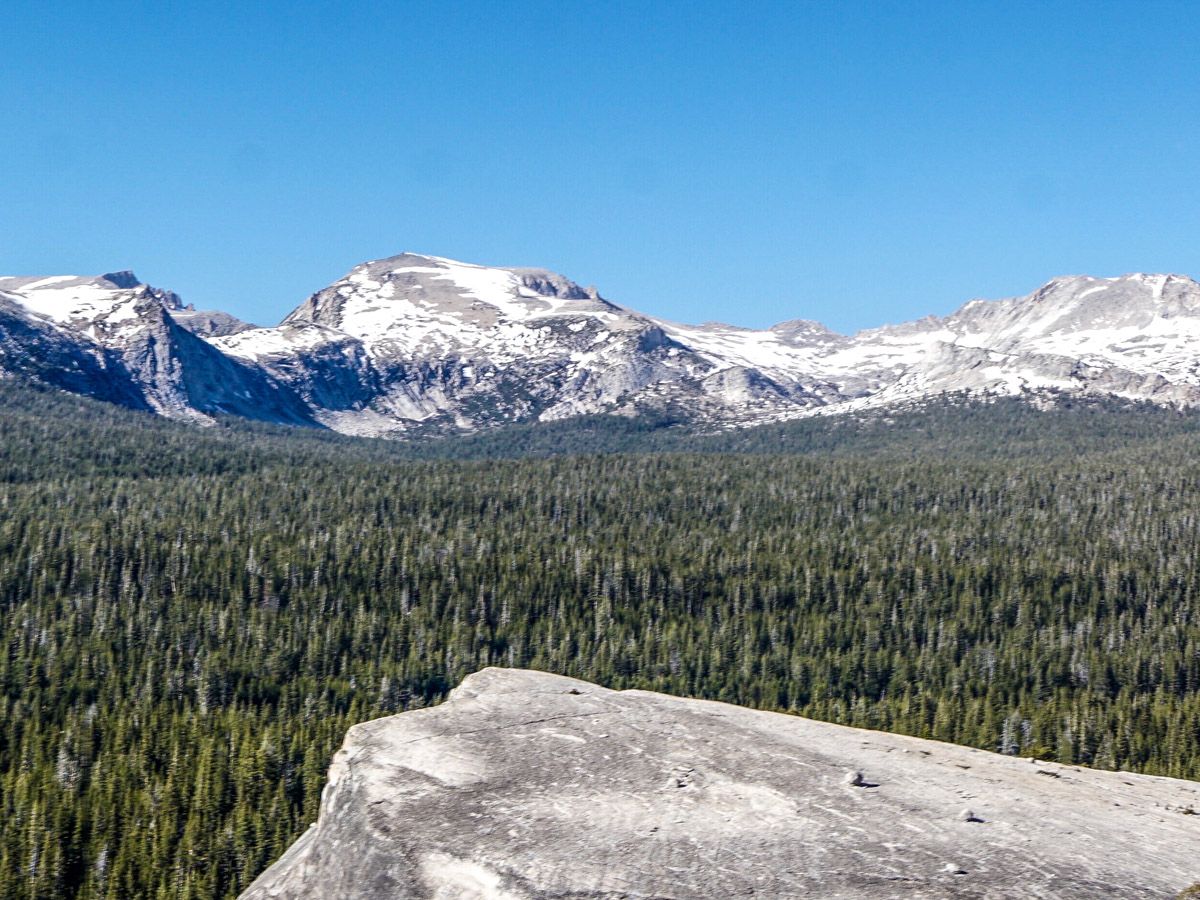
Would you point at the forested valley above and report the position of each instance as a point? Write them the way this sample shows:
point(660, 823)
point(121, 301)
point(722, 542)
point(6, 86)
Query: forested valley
point(192, 617)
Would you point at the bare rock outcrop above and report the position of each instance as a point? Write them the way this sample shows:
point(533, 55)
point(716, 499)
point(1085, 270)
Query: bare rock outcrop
point(529, 785)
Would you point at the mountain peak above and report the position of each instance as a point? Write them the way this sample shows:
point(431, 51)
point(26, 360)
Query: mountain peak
point(541, 281)
point(407, 259)
point(89, 299)
point(123, 279)
point(805, 327)
point(1156, 281)
point(418, 300)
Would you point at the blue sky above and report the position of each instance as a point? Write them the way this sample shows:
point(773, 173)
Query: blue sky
point(851, 163)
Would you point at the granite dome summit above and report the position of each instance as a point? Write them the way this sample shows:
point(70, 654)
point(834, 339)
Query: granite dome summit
point(526, 785)
point(415, 341)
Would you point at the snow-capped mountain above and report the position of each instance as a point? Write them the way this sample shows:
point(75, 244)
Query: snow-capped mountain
point(422, 341)
point(1135, 336)
point(114, 338)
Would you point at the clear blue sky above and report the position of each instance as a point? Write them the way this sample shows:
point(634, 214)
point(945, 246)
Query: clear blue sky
point(747, 162)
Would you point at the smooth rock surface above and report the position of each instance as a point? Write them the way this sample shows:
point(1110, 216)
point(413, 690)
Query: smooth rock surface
point(529, 785)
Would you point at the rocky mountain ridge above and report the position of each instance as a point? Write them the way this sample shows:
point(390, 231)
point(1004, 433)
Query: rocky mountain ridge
point(526, 785)
point(417, 341)
point(114, 338)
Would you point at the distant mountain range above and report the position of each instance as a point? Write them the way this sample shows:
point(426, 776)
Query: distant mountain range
point(418, 342)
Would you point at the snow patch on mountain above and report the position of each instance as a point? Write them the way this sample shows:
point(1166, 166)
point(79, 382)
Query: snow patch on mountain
point(91, 304)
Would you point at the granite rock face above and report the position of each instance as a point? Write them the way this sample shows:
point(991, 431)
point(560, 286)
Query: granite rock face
point(529, 785)
point(113, 338)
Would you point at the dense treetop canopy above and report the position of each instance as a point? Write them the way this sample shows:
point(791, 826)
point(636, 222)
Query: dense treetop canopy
point(191, 618)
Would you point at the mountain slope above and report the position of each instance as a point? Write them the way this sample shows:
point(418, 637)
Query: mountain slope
point(1133, 336)
point(419, 344)
point(36, 348)
point(112, 337)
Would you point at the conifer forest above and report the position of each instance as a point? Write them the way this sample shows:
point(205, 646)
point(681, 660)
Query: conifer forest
point(192, 617)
